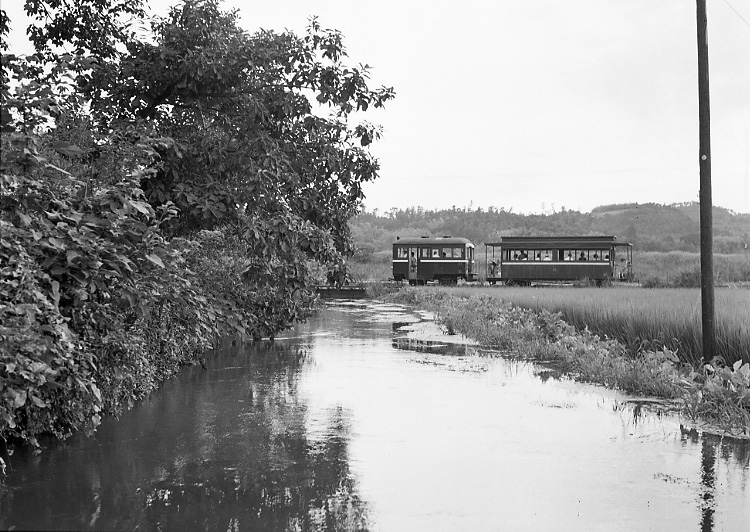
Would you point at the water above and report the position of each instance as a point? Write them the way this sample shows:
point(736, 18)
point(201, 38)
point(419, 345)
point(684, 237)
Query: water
point(347, 425)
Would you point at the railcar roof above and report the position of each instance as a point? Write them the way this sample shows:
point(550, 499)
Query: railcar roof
point(440, 240)
point(557, 241)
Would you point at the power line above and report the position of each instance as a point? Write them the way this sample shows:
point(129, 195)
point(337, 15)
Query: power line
point(737, 13)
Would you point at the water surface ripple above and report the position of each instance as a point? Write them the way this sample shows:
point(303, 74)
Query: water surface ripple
point(347, 423)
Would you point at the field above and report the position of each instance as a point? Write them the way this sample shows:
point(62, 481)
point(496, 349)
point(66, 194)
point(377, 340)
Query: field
point(641, 318)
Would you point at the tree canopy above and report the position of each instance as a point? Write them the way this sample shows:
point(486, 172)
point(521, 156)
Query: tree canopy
point(161, 189)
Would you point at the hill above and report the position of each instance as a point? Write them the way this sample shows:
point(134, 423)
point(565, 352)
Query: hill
point(648, 226)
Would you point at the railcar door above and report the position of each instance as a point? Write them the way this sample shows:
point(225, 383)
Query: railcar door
point(412, 265)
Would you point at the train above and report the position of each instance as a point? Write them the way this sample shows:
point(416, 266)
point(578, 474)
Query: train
point(444, 259)
point(523, 260)
point(514, 260)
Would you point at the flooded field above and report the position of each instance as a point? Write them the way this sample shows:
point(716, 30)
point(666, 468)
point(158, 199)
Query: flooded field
point(350, 423)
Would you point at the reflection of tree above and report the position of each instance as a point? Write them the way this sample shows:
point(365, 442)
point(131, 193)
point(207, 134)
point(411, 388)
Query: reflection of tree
point(223, 449)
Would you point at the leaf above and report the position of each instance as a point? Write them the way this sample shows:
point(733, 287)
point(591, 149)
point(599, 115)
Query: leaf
point(96, 391)
point(56, 242)
point(142, 207)
point(156, 260)
point(72, 255)
point(65, 148)
point(56, 292)
point(25, 219)
point(38, 402)
point(20, 399)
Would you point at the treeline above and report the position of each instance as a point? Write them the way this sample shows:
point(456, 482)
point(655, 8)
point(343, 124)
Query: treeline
point(648, 226)
point(160, 190)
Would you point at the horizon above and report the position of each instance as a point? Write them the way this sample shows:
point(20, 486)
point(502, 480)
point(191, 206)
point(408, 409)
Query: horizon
point(471, 208)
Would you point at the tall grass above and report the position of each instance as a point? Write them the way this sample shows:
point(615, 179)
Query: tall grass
point(643, 318)
point(682, 268)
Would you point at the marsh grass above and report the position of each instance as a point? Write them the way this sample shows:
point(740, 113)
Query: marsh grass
point(716, 392)
point(643, 319)
point(682, 268)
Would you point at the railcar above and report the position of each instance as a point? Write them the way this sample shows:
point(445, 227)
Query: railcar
point(444, 259)
point(523, 260)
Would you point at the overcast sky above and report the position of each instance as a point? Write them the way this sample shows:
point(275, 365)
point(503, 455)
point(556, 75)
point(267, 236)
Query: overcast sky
point(535, 105)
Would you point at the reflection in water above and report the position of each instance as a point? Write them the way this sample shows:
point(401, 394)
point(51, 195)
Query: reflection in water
point(347, 425)
point(708, 453)
point(222, 449)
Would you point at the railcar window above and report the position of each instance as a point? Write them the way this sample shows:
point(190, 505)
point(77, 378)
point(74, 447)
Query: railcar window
point(402, 253)
point(424, 252)
point(458, 253)
point(435, 253)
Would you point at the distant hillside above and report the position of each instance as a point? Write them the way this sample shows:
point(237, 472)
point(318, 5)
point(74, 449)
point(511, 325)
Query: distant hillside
point(649, 226)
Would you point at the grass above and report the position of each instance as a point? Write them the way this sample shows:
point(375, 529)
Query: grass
point(643, 318)
point(682, 268)
point(717, 393)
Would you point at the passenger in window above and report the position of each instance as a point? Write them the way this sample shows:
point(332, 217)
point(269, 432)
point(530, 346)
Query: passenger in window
point(547, 256)
point(524, 255)
point(515, 256)
point(569, 256)
point(538, 256)
point(582, 256)
point(596, 256)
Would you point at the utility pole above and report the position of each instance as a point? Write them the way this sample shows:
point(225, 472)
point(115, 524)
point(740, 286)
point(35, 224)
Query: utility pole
point(706, 203)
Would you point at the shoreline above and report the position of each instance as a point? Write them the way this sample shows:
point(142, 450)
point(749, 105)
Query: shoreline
point(652, 378)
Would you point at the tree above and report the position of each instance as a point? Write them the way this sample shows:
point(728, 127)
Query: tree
point(155, 196)
point(244, 147)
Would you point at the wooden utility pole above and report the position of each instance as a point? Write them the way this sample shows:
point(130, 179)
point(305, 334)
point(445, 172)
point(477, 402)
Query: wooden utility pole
point(706, 203)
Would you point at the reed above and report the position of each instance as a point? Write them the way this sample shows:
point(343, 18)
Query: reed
point(643, 318)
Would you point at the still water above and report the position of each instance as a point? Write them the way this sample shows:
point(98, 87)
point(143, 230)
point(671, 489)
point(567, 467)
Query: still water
point(345, 424)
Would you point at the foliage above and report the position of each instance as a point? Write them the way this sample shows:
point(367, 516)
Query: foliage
point(156, 199)
point(90, 26)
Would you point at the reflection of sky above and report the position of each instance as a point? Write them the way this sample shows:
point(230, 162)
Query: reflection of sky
point(433, 449)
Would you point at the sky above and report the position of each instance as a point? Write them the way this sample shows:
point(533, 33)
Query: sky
point(536, 105)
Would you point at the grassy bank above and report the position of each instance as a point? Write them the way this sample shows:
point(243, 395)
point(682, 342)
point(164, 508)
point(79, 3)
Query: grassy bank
point(643, 319)
point(717, 394)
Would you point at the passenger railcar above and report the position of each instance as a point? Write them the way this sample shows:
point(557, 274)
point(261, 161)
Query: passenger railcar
point(444, 259)
point(523, 260)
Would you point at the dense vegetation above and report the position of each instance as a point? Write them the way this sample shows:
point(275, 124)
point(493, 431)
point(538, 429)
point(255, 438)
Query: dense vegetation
point(160, 190)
